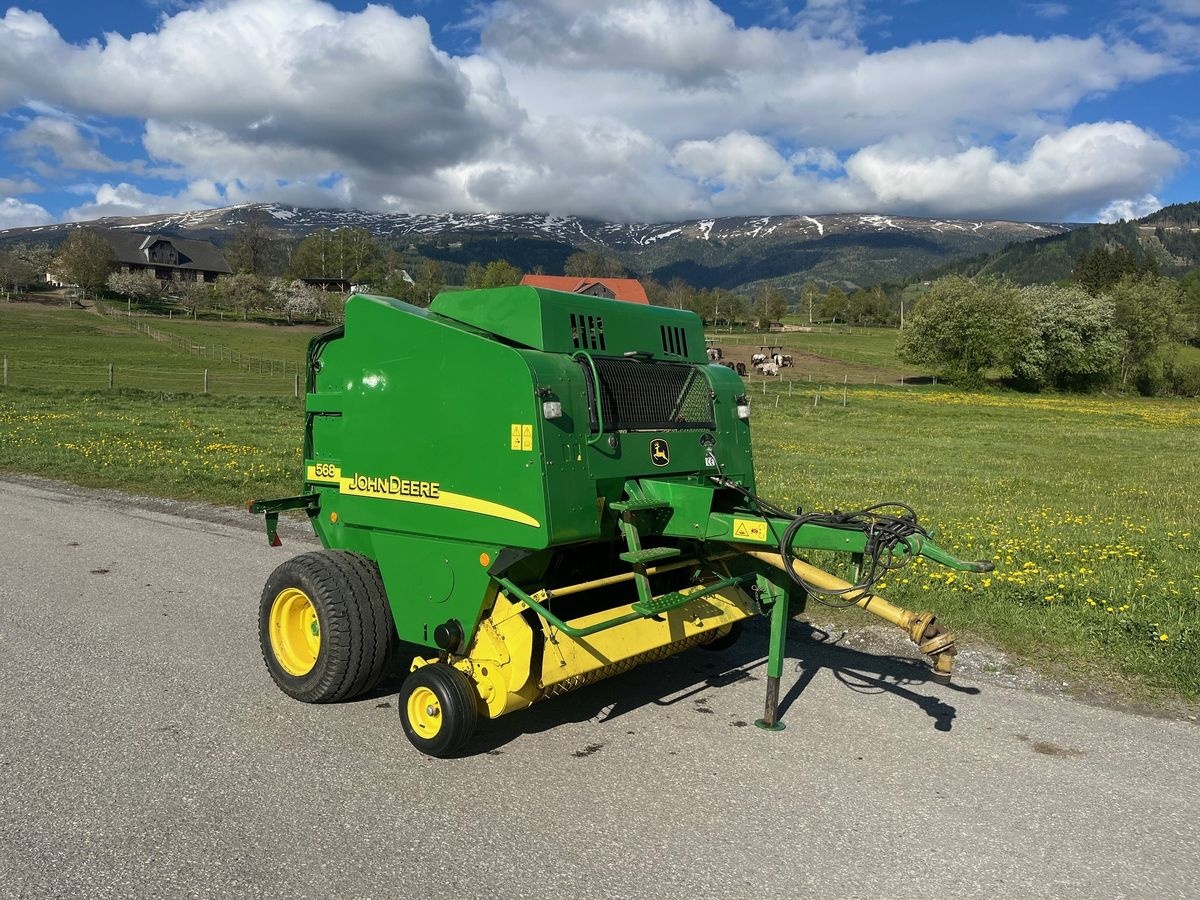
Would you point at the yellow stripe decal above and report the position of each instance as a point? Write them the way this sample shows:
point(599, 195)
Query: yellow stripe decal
point(425, 493)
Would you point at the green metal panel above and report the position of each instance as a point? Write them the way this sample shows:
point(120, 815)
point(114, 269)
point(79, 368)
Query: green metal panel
point(559, 322)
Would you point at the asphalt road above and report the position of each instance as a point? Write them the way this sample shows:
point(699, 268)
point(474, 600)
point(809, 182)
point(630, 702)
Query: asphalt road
point(144, 752)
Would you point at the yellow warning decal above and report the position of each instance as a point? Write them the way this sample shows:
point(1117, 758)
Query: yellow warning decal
point(428, 493)
point(521, 437)
point(750, 529)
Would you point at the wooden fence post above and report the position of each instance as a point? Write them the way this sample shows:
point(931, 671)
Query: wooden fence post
point(6, 370)
point(297, 382)
point(110, 375)
point(206, 381)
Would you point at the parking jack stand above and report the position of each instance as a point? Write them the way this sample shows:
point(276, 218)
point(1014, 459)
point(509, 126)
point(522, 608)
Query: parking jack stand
point(779, 619)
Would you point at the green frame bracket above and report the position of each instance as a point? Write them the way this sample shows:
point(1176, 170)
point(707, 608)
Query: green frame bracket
point(270, 510)
point(813, 536)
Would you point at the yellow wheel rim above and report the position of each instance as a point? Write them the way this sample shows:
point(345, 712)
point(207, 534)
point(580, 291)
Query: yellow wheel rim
point(295, 632)
point(425, 712)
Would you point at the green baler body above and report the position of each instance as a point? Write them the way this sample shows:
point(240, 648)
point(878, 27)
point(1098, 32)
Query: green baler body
point(427, 443)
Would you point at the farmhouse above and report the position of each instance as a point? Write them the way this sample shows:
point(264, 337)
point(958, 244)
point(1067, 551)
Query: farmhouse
point(171, 259)
point(609, 288)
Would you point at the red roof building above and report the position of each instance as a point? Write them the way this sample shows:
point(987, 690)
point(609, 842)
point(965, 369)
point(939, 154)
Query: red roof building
point(629, 289)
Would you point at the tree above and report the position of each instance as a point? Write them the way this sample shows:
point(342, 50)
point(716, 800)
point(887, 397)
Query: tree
point(140, 286)
point(738, 309)
point(245, 293)
point(1148, 314)
point(500, 273)
point(22, 265)
point(195, 294)
point(962, 327)
point(702, 303)
point(429, 283)
point(315, 257)
point(770, 305)
point(1103, 267)
point(84, 259)
point(359, 256)
point(593, 264)
point(298, 299)
point(727, 307)
point(474, 276)
point(809, 299)
point(254, 248)
point(834, 305)
point(347, 253)
point(656, 291)
point(1075, 343)
point(868, 307)
point(678, 294)
point(1189, 289)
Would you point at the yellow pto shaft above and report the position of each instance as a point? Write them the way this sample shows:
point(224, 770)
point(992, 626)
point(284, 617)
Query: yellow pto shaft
point(930, 637)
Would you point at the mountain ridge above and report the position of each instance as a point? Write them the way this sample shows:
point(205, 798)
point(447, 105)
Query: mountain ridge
point(737, 252)
point(1170, 237)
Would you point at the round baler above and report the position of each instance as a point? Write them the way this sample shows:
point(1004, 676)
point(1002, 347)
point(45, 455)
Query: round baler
point(528, 491)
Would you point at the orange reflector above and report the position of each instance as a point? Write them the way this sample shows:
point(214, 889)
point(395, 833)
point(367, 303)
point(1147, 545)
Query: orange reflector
point(333, 518)
point(484, 559)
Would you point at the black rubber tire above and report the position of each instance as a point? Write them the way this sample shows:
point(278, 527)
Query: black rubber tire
point(727, 640)
point(357, 633)
point(459, 708)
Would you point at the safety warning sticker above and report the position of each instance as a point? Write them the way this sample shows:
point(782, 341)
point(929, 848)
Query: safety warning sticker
point(750, 529)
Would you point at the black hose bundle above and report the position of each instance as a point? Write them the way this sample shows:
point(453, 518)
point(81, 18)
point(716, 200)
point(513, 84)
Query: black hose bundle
point(893, 539)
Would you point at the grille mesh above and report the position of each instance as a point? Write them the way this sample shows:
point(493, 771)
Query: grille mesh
point(636, 395)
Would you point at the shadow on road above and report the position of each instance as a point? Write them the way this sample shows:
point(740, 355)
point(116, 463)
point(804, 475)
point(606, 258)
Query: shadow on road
point(687, 680)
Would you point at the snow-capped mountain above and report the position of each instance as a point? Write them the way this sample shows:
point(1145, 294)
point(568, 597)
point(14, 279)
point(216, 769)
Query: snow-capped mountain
point(728, 251)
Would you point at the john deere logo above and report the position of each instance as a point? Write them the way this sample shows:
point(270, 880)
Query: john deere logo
point(660, 453)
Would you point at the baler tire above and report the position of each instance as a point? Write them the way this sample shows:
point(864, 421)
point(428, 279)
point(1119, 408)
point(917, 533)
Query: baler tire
point(392, 654)
point(352, 619)
point(457, 709)
point(727, 640)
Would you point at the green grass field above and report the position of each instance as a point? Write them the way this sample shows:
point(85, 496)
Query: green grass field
point(58, 348)
point(874, 347)
point(280, 342)
point(1085, 503)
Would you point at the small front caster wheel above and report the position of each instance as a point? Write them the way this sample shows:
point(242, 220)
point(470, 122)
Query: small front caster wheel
point(438, 709)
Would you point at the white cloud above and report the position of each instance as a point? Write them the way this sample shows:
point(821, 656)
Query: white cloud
point(48, 142)
point(125, 199)
point(1172, 24)
point(18, 186)
point(276, 75)
point(630, 109)
point(1050, 10)
point(1129, 209)
point(1064, 175)
point(1189, 8)
point(15, 213)
point(784, 84)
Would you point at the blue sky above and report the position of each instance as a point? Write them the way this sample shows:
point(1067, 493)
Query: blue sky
point(637, 110)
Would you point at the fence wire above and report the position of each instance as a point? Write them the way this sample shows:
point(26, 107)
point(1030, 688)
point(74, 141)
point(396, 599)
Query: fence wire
point(250, 362)
point(89, 377)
